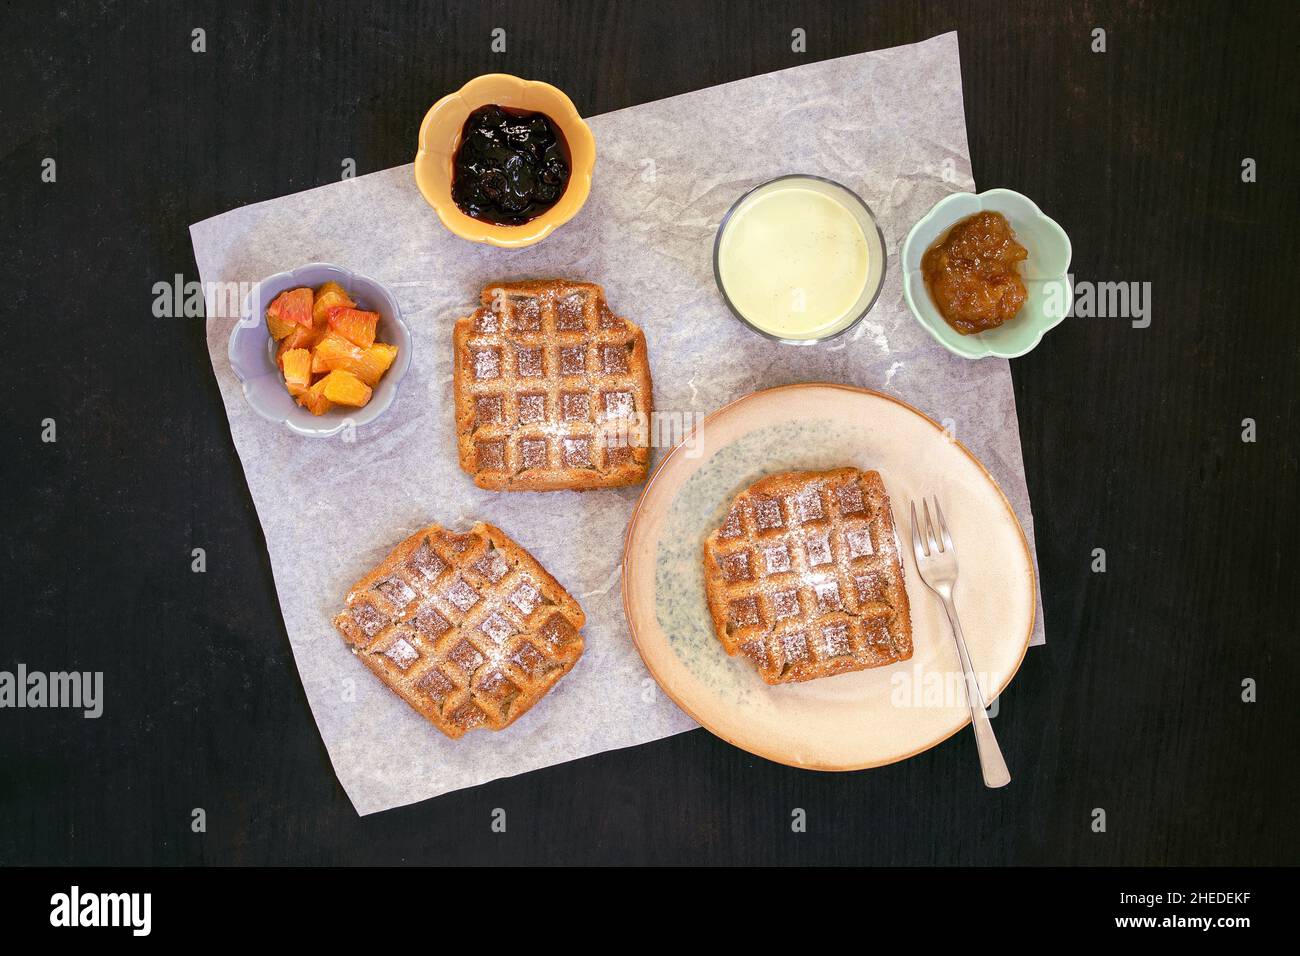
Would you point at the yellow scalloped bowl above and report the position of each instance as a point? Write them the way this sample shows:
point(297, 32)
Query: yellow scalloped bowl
point(440, 138)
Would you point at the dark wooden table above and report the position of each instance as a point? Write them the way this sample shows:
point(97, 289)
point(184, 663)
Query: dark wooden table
point(1132, 438)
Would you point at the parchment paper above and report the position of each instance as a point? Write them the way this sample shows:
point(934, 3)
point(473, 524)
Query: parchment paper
point(889, 125)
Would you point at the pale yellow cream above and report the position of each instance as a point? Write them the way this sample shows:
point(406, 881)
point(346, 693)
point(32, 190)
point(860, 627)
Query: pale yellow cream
point(794, 262)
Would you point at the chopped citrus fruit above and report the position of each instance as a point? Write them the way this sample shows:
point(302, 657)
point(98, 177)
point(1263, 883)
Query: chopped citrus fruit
point(314, 399)
point(334, 351)
point(326, 347)
point(375, 362)
point(277, 326)
point(297, 370)
point(330, 296)
point(345, 388)
point(354, 325)
point(299, 338)
point(289, 309)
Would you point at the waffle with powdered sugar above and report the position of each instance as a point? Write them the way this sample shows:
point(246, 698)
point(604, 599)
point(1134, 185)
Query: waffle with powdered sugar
point(469, 629)
point(804, 577)
point(552, 390)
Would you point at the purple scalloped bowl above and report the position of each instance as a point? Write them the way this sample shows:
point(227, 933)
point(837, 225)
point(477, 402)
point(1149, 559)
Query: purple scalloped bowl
point(252, 352)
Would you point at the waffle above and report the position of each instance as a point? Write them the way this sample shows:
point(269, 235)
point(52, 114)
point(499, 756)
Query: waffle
point(552, 390)
point(804, 578)
point(467, 628)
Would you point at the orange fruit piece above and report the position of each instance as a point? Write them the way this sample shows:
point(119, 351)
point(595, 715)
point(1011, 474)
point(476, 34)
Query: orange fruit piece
point(297, 370)
point(335, 352)
point(354, 325)
point(299, 338)
point(345, 388)
point(287, 310)
point(314, 400)
point(331, 287)
point(375, 361)
point(330, 296)
point(277, 326)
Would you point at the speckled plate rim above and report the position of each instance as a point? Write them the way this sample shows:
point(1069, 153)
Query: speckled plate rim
point(774, 755)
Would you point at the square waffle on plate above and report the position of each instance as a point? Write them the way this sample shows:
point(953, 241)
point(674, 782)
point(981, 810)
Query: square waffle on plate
point(467, 628)
point(552, 390)
point(804, 578)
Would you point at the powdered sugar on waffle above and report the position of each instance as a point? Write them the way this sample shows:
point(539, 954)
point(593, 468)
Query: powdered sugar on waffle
point(551, 390)
point(803, 577)
point(467, 628)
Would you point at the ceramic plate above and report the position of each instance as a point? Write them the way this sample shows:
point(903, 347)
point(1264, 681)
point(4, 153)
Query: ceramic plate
point(850, 721)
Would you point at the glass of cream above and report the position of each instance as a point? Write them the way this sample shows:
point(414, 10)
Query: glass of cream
point(799, 259)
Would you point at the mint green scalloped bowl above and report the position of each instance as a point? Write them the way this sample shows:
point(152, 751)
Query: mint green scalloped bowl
point(1045, 273)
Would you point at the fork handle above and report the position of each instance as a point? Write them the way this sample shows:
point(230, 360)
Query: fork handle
point(992, 765)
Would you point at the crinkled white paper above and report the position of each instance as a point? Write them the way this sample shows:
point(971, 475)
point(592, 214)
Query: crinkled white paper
point(889, 125)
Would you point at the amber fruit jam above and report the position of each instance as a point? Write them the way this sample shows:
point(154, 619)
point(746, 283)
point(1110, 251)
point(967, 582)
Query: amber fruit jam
point(971, 273)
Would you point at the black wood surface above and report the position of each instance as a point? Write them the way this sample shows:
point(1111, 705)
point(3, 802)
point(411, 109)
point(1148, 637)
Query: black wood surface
point(1132, 438)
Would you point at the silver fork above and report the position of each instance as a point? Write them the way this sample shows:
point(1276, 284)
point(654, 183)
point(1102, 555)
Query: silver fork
point(936, 559)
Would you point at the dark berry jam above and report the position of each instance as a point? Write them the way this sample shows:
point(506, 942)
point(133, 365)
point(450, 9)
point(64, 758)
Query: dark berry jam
point(511, 166)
